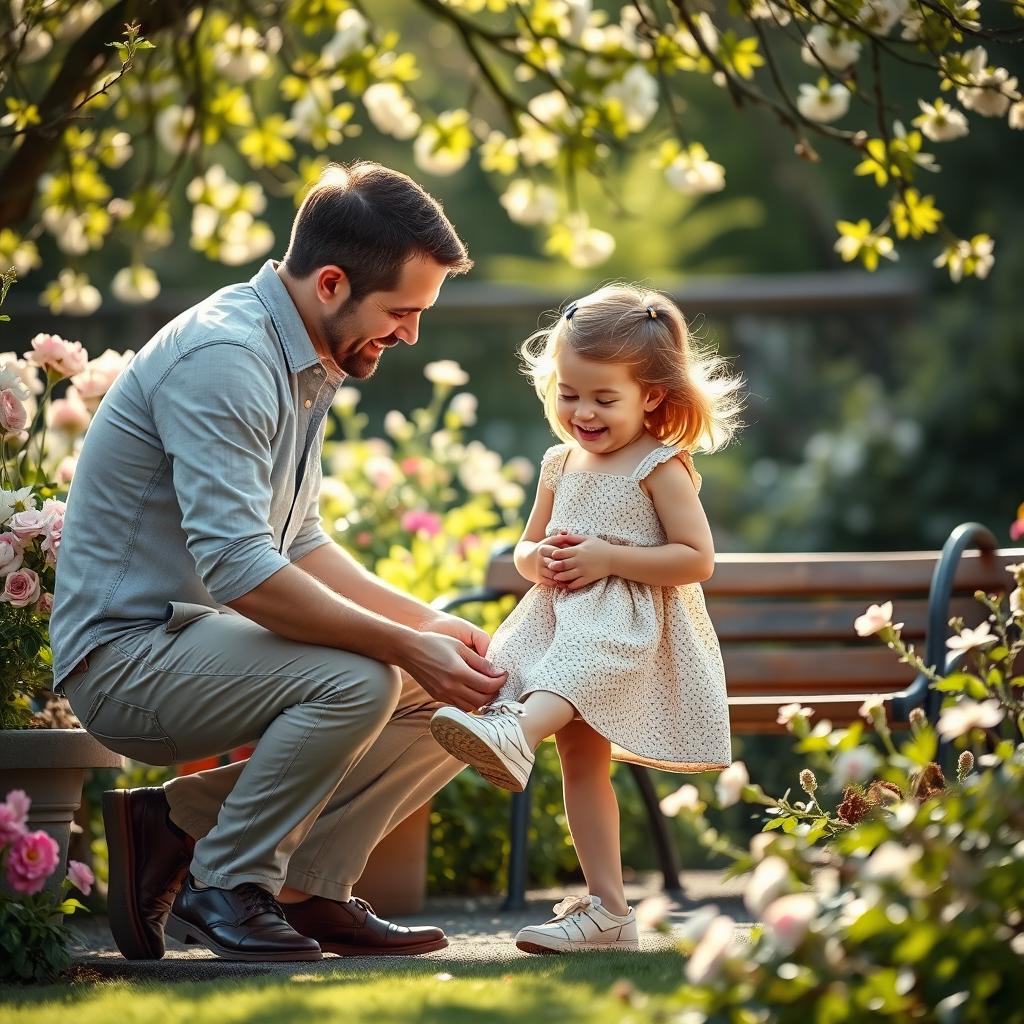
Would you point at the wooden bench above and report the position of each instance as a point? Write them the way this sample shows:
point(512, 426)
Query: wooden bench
point(785, 622)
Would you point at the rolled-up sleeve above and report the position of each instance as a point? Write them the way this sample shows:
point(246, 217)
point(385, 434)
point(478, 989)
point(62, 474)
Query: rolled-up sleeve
point(216, 411)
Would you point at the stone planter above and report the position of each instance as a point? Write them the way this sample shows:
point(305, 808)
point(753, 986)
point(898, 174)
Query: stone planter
point(50, 766)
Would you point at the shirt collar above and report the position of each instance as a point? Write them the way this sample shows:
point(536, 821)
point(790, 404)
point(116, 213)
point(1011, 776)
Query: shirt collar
point(299, 352)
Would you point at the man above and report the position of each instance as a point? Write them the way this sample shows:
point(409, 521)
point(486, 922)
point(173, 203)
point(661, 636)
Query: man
point(200, 606)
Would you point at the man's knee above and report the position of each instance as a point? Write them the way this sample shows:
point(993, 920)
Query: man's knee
point(365, 688)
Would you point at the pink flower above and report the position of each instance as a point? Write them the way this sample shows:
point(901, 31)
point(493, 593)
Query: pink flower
point(420, 521)
point(410, 466)
point(96, 380)
point(30, 861)
point(21, 588)
point(874, 620)
point(13, 816)
point(787, 919)
point(31, 523)
point(13, 414)
point(81, 876)
point(1017, 529)
point(52, 353)
point(364, 538)
point(44, 606)
point(11, 555)
point(69, 413)
point(65, 472)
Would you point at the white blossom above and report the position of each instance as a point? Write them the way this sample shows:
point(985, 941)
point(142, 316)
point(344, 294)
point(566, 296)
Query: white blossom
point(787, 920)
point(432, 154)
point(706, 960)
point(730, 783)
point(769, 880)
point(446, 373)
point(72, 293)
point(824, 102)
point(685, 798)
point(828, 46)
point(692, 173)
point(991, 91)
point(391, 110)
point(350, 32)
point(854, 765)
point(956, 255)
point(637, 91)
point(588, 246)
point(464, 406)
point(1016, 115)
point(174, 129)
point(528, 203)
point(135, 284)
point(891, 860)
point(968, 639)
point(879, 16)
point(966, 715)
point(241, 54)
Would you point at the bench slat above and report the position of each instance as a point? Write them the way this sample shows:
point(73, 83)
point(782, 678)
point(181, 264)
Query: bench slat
point(793, 620)
point(876, 576)
point(752, 670)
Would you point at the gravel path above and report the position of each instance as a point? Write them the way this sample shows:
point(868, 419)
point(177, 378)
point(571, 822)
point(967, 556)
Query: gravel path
point(479, 932)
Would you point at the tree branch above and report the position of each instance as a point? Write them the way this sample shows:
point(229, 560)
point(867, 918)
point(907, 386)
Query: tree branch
point(84, 60)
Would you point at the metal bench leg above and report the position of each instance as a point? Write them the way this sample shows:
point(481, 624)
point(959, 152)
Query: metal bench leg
point(668, 862)
point(519, 829)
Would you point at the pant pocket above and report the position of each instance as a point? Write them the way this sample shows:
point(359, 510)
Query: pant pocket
point(180, 614)
point(129, 729)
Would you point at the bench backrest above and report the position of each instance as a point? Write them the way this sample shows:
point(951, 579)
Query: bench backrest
point(785, 621)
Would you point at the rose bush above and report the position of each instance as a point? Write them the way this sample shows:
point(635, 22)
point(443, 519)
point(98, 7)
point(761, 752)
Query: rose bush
point(33, 936)
point(39, 440)
point(888, 893)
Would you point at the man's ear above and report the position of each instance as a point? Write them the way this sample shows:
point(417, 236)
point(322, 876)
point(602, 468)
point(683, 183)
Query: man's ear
point(655, 396)
point(332, 286)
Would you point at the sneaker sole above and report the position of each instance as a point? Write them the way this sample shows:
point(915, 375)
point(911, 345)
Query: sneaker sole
point(123, 912)
point(468, 747)
point(577, 947)
point(188, 933)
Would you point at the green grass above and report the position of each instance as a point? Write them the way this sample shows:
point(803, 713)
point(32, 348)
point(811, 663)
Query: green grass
point(564, 989)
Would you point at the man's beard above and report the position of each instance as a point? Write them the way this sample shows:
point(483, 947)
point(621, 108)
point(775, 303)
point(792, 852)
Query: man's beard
point(336, 331)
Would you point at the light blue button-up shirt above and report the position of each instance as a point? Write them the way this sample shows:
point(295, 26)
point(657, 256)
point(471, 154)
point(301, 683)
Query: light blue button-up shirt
point(200, 473)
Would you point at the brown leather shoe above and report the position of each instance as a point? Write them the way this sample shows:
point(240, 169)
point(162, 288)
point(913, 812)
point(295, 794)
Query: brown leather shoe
point(148, 863)
point(243, 923)
point(352, 929)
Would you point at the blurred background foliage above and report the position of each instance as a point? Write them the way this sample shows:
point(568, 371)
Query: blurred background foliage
point(873, 423)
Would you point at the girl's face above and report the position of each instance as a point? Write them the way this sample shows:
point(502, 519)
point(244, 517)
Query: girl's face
point(601, 404)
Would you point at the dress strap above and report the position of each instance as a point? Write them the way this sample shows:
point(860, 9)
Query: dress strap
point(666, 453)
point(552, 464)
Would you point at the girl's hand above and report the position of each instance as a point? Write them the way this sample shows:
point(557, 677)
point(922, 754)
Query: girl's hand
point(545, 552)
point(580, 562)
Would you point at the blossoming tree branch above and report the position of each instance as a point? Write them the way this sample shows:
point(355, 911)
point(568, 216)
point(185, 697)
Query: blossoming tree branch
point(104, 119)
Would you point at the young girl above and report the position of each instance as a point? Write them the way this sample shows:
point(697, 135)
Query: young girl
point(612, 650)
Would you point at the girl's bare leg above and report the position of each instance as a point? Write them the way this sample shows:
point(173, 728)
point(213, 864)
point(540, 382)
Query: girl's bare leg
point(545, 714)
point(593, 811)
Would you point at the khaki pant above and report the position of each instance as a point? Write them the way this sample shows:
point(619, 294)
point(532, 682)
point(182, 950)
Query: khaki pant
point(343, 749)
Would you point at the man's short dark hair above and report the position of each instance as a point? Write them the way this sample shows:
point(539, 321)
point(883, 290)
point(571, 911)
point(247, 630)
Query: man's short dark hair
point(370, 220)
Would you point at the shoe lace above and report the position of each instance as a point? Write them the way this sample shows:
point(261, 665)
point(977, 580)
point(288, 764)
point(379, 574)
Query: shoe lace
point(362, 903)
point(572, 905)
point(257, 901)
point(500, 707)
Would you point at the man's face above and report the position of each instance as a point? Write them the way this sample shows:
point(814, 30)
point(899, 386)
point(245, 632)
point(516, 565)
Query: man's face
point(358, 332)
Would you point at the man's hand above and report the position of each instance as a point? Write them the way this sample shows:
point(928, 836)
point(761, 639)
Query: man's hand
point(451, 625)
point(545, 552)
point(580, 561)
point(451, 672)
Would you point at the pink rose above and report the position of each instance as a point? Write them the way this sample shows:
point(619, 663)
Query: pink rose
point(30, 861)
point(44, 606)
point(80, 876)
point(69, 413)
point(21, 588)
point(410, 466)
point(65, 472)
point(96, 380)
point(13, 815)
point(52, 353)
point(51, 544)
point(1017, 529)
point(420, 521)
point(31, 523)
point(13, 414)
point(11, 555)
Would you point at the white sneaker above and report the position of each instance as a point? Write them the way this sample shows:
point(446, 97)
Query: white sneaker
point(580, 922)
point(492, 741)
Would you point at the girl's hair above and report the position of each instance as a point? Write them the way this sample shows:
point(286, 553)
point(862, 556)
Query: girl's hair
point(702, 401)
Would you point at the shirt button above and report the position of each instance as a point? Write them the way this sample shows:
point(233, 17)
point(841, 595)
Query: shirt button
point(307, 403)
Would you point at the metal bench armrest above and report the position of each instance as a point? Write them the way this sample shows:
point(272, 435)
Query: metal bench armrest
point(918, 693)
